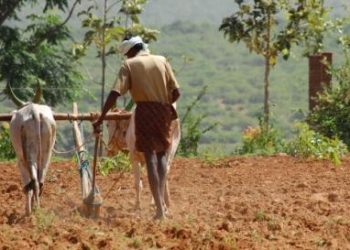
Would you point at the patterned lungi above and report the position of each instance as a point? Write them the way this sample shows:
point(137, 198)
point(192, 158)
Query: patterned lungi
point(152, 126)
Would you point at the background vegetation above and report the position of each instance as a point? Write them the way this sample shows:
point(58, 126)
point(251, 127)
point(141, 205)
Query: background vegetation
point(189, 37)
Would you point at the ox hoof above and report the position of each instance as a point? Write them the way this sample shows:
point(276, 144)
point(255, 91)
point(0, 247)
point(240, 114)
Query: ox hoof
point(166, 211)
point(159, 216)
point(137, 207)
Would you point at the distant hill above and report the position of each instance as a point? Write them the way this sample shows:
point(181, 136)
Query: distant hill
point(163, 12)
point(189, 28)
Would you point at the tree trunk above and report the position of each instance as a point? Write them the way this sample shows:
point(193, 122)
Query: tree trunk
point(103, 60)
point(266, 93)
point(267, 75)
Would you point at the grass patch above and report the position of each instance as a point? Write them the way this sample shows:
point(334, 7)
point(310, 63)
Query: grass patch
point(230, 242)
point(136, 243)
point(260, 215)
point(43, 219)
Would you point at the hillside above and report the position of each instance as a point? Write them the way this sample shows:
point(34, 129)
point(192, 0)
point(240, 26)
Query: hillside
point(189, 29)
point(163, 12)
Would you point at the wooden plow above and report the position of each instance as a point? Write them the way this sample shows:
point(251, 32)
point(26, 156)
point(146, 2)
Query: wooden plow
point(92, 199)
point(91, 206)
point(91, 195)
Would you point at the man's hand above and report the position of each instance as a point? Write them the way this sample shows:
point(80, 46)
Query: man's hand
point(97, 126)
point(111, 100)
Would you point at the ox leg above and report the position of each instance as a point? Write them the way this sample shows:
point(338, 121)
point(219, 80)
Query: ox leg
point(167, 194)
point(28, 185)
point(29, 196)
point(155, 181)
point(28, 190)
point(138, 183)
point(47, 143)
point(36, 187)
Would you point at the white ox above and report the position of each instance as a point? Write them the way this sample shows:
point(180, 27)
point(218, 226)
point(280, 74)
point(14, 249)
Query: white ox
point(121, 135)
point(33, 134)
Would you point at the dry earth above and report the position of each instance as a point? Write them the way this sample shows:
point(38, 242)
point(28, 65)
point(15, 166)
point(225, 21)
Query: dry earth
point(236, 203)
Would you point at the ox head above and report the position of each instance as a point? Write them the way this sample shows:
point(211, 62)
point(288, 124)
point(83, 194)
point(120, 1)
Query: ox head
point(18, 102)
point(117, 134)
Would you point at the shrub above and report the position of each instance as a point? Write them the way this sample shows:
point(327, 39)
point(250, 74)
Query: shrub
point(309, 143)
point(261, 140)
point(7, 151)
point(331, 116)
point(120, 162)
point(190, 128)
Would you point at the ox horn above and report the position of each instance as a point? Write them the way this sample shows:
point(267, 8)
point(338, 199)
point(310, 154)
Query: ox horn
point(18, 102)
point(38, 93)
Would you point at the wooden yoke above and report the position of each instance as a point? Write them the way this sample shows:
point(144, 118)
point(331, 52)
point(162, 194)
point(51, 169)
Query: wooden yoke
point(78, 117)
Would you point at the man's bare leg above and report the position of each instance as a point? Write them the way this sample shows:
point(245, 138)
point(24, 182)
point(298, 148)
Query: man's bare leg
point(162, 172)
point(154, 182)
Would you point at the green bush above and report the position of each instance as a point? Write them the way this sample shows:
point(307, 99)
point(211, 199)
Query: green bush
point(191, 128)
point(331, 117)
point(191, 135)
point(120, 162)
point(310, 144)
point(7, 151)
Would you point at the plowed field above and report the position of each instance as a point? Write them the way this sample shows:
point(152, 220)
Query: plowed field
point(236, 203)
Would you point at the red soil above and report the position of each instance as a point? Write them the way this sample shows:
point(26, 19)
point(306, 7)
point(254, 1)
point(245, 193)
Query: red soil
point(236, 203)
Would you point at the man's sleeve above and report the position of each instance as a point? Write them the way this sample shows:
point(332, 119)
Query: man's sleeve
point(171, 77)
point(123, 82)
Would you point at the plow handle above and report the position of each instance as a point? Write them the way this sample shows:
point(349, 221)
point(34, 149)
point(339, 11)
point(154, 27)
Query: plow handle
point(97, 141)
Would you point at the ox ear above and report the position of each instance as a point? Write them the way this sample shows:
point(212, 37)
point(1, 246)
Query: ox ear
point(38, 93)
point(18, 102)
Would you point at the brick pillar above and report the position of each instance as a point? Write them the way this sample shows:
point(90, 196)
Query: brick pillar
point(318, 75)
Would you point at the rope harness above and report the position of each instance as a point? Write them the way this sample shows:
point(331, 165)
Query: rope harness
point(77, 149)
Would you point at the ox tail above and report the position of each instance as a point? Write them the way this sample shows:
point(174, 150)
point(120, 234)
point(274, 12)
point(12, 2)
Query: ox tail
point(37, 121)
point(26, 155)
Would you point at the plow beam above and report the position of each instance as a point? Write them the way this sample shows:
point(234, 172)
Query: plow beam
point(77, 117)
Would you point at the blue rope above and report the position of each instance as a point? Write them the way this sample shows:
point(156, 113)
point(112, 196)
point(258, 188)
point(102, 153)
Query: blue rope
point(84, 164)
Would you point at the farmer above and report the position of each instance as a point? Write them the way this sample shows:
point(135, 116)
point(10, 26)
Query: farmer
point(153, 87)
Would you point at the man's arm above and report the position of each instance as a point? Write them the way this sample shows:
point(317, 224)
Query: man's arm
point(111, 99)
point(172, 83)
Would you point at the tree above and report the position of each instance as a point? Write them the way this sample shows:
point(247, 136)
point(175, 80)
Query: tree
point(36, 53)
point(312, 21)
point(259, 25)
point(107, 30)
